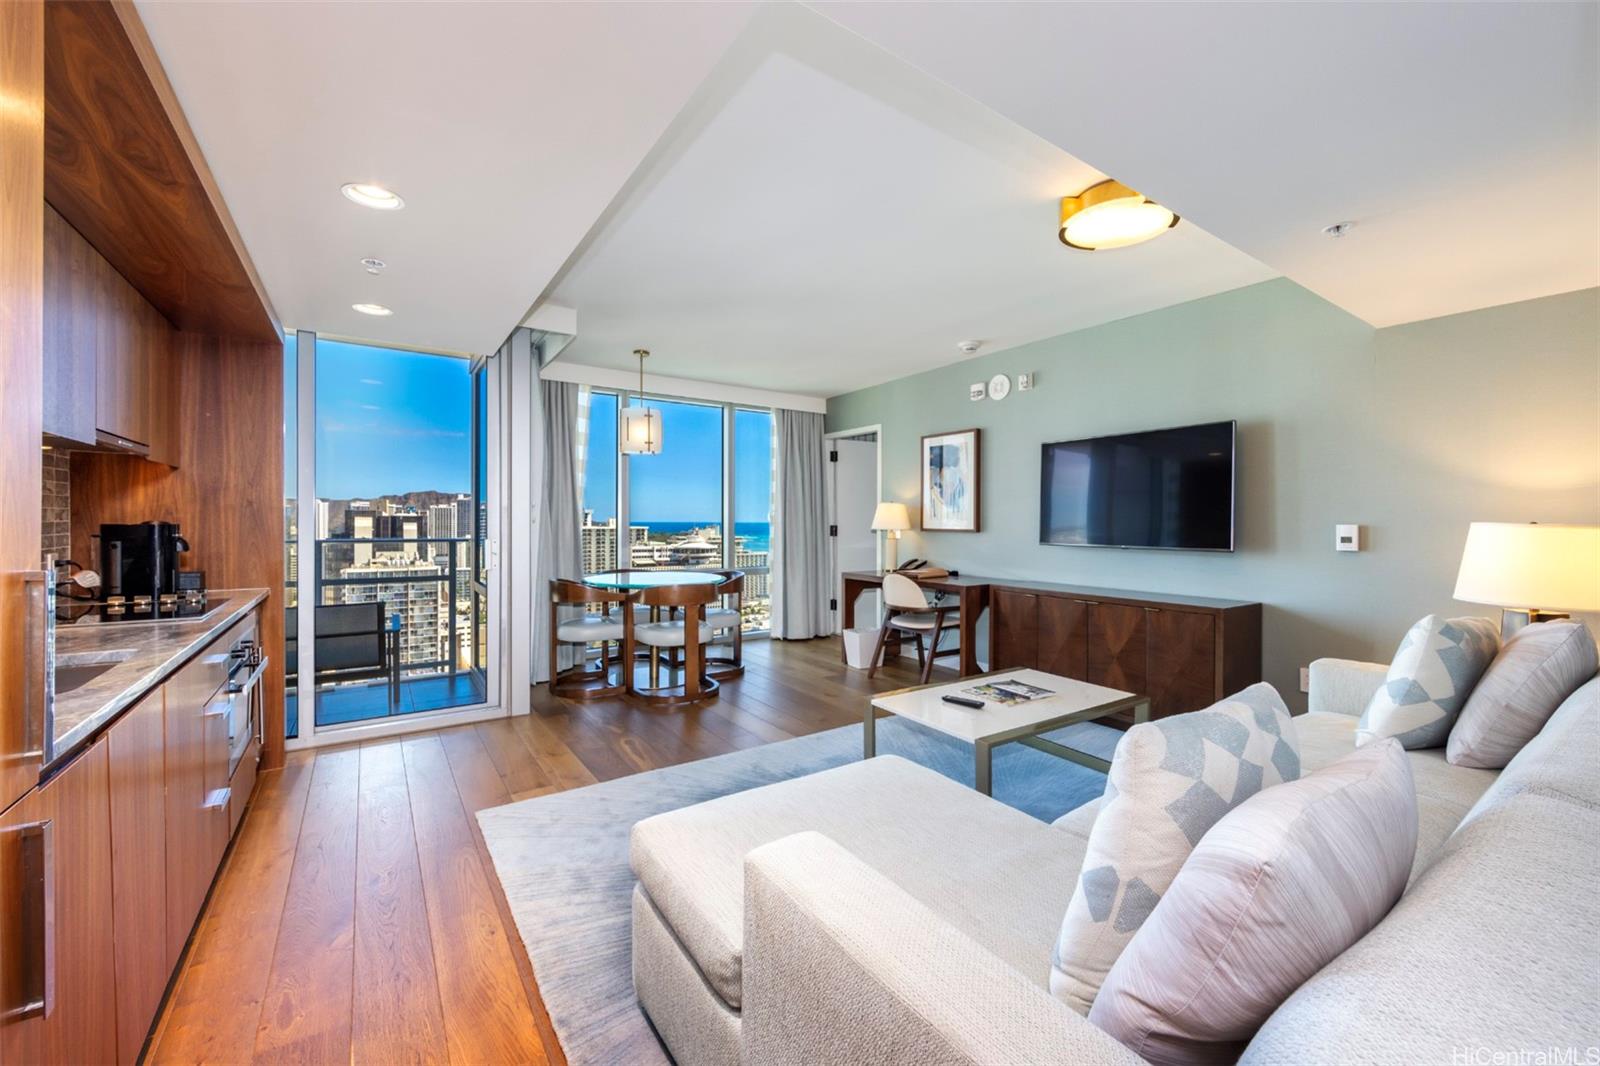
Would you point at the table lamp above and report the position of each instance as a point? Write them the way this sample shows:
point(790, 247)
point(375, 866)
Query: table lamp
point(891, 518)
point(1534, 573)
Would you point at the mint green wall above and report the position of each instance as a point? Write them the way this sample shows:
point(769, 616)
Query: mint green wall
point(1411, 431)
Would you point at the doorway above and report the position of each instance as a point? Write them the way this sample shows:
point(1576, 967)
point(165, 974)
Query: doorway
point(855, 485)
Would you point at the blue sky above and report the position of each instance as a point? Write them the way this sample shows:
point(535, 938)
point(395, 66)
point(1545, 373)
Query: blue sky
point(390, 421)
point(684, 482)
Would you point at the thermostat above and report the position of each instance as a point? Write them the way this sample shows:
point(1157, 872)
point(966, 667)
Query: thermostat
point(1347, 538)
point(979, 391)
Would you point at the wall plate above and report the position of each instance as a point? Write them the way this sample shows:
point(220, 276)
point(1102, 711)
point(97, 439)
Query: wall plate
point(1024, 382)
point(999, 387)
point(979, 391)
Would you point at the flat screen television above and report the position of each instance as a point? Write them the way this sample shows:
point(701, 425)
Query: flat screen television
point(1163, 488)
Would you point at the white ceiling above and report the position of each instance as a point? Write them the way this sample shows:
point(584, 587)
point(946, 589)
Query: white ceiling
point(824, 218)
point(507, 128)
point(1463, 138)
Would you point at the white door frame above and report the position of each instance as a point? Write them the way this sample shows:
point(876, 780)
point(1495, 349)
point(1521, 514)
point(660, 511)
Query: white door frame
point(500, 697)
point(833, 558)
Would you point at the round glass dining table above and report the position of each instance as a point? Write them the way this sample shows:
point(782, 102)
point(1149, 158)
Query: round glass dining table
point(630, 580)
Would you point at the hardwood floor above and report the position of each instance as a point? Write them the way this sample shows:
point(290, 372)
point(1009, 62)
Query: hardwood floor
point(358, 918)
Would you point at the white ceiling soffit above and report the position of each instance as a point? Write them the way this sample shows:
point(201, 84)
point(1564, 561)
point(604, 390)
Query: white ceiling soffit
point(824, 217)
point(507, 128)
point(1462, 138)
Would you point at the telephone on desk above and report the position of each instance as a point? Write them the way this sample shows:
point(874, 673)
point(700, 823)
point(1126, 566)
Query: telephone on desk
point(919, 570)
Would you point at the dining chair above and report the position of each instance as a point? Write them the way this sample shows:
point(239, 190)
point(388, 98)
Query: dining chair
point(580, 682)
point(689, 634)
point(723, 618)
point(908, 610)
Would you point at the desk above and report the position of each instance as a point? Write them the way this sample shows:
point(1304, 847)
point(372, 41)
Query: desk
point(972, 593)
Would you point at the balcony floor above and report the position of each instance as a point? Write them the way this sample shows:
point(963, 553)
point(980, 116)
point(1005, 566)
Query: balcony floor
point(341, 704)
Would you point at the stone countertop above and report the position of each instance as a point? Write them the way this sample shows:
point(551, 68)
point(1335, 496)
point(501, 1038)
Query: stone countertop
point(145, 653)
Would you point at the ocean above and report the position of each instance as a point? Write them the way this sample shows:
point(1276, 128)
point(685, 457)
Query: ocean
point(757, 535)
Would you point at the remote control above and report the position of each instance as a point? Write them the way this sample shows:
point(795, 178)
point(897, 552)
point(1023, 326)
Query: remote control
point(962, 701)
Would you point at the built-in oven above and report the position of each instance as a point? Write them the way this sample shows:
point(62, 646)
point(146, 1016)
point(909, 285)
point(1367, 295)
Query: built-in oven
point(246, 666)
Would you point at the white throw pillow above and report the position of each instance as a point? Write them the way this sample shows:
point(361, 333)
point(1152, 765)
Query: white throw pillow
point(1170, 781)
point(1433, 672)
point(1540, 666)
point(1278, 889)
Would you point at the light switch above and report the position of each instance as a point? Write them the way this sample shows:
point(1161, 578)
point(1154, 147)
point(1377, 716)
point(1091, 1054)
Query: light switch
point(1347, 538)
point(1024, 382)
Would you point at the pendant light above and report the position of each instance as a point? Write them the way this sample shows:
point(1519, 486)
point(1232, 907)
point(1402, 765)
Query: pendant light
point(641, 426)
point(1111, 215)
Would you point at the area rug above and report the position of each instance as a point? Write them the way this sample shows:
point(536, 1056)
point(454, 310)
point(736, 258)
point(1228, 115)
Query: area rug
point(563, 859)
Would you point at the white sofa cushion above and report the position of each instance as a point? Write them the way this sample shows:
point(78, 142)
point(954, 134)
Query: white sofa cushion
point(1433, 671)
point(1278, 888)
point(1170, 781)
point(998, 875)
point(1537, 669)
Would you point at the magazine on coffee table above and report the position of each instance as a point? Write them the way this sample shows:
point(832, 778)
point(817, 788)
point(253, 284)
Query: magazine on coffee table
point(1008, 692)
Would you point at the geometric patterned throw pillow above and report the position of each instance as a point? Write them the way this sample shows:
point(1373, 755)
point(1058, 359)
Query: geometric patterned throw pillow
point(1171, 780)
point(1433, 672)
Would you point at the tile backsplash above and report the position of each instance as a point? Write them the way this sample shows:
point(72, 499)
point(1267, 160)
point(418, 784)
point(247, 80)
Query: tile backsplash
point(56, 531)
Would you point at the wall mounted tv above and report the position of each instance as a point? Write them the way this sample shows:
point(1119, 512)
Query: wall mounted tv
point(1164, 488)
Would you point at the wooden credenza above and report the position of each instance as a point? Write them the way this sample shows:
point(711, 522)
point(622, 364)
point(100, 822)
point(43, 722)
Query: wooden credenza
point(1184, 652)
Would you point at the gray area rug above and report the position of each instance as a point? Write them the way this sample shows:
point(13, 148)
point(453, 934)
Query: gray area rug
point(563, 859)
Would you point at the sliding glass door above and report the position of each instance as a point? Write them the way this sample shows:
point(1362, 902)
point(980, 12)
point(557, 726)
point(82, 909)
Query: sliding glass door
point(391, 551)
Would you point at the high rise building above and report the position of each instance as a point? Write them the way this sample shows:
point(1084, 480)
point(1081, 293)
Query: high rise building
point(598, 543)
point(442, 521)
point(423, 606)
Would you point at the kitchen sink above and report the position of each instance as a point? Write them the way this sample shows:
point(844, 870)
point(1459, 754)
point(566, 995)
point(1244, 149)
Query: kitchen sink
point(75, 671)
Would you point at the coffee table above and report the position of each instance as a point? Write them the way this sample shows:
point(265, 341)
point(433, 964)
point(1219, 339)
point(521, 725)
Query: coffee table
point(998, 723)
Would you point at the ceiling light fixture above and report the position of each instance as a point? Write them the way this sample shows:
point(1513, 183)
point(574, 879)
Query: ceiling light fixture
point(1337, 230)
point(1111, 215)
point(372, 265)
point(374, 196)
point(641, 426)
point(371, 309)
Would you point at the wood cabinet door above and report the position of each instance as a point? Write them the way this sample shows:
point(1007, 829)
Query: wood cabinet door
point(1115, 654)
point(139, 869)
point(1013, 630)
point(192, 838)
point(1181, 665)
point(1064, 637)
point(69, 333)
point(26, 945)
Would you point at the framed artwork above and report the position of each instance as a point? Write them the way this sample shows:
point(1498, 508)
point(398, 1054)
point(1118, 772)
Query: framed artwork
point(950, 481)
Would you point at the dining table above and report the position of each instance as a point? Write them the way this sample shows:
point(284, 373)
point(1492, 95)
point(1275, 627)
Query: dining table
point(638, 580)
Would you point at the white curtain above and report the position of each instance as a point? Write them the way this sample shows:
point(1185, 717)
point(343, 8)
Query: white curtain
point(800, 577)
point(559, 553)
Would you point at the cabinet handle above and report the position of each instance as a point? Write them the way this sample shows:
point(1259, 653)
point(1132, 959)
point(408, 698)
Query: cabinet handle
point(34, 947)
point(1088, 603)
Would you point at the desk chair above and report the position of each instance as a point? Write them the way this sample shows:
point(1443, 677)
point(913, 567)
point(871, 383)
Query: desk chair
point(908, 610)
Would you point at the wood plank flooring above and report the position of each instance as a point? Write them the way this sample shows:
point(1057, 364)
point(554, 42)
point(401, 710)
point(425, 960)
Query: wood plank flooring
point(358, 919)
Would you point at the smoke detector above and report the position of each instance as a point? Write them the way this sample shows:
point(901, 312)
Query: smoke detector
point(969, 347)
point(1338, 229)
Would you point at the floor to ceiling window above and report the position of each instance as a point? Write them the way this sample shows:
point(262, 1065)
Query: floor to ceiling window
point(397, 552)
point(703, 502)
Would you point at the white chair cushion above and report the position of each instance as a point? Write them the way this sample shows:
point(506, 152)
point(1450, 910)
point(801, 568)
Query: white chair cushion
point(913, 621)
point(666, 634)
point(589, 628)
point(722, 618)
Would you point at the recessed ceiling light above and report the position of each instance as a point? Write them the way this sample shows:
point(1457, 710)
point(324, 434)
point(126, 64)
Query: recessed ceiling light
point(373, 265)
point(371, 309)
point(374, 196)
point(1111, 215)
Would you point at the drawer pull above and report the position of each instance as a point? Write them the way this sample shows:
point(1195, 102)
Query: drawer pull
point(217, 799)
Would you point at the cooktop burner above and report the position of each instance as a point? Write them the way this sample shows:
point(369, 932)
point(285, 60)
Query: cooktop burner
point(187, 606)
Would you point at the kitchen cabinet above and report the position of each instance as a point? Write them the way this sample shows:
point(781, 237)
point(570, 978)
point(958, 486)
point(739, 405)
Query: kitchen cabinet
point(109, 370)
point(196, 835)
point(55, 857)
point(139, 869)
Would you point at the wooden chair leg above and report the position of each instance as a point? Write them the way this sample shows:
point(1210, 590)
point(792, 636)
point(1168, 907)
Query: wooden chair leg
point(691, 660)
point(927, 663)
point(922, 656)
point(877, 651)
point(554, 648)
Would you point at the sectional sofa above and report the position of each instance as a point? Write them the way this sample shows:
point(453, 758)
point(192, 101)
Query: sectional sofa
point(880, 912)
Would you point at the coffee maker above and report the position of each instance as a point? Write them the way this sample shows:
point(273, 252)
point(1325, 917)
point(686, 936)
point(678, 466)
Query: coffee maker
point(140, 561)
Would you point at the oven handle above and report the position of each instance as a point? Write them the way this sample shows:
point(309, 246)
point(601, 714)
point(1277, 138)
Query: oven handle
point(236, 688)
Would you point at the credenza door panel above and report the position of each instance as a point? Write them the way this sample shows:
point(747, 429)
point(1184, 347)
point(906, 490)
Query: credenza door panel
point(1016, 637)
point(1181, 666)
point(1064, 637)
point(1116, 653)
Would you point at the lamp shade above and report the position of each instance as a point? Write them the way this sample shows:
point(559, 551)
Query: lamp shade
point(1532, 566)
point(891, 516)
point(641, 431)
